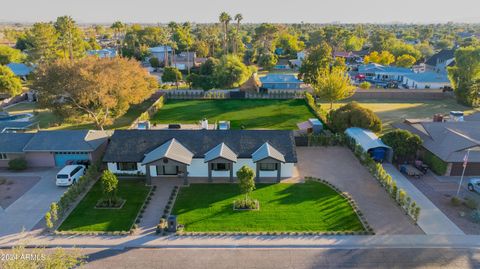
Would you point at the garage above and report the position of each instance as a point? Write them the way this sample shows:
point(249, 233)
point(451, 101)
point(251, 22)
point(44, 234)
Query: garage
point(473, 169)
point(62, 158)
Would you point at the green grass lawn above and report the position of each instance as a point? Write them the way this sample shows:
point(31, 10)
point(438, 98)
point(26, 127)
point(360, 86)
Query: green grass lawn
point(48, 120)
point(86, 218)
point(250, 113)
point(311, 206)
point(396, 111)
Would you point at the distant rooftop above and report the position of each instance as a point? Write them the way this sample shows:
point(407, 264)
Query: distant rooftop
point(280, 78)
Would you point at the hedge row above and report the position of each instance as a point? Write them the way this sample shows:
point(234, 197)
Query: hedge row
point(438, 166)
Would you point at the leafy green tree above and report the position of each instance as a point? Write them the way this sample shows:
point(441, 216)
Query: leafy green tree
point(405, 60)
point(465, 75)
point(354, 43)
point(9, 83)
point(365, 85)
point(171, 74)
point(383, 58)
point(404, 144)
point(154, 62)
point(381, 40)
point(425, 49)
point(399, 48)
point(70, 38)
point(444, 44)
point(246, 180)
point(103, 89)
point(109, 186)
point(354, 115)
point(230, 71)
point(267, 60)
point(201, 48)
point(10, 55)
point(41, 42)
point(319, 58)
point(290, 44)
point(333, 84)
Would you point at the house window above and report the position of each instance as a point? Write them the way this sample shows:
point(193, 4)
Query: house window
point(220, 167)
point(268, 167)
point(3, 156)
point(127, 166)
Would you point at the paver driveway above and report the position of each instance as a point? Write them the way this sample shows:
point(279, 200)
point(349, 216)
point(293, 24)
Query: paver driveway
point(29, 209)
point(339, 166)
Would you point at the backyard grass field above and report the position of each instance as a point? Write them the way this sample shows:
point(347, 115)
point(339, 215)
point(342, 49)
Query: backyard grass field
point(86, 218)
point(249, 113)
point(311, 206)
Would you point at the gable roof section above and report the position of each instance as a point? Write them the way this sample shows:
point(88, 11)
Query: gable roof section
point(221, 151)
point(63, 140)
point(131, 145)
point(172, 150)
point(381, 69)
point(441, 56)
point(267, 151)
point(428, 77)
point(448, 140)
point(14, 142)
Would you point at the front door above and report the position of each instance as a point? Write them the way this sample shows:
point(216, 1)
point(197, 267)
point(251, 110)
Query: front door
point(170, 169)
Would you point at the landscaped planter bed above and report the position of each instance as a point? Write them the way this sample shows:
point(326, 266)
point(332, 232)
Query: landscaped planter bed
point(309, 208)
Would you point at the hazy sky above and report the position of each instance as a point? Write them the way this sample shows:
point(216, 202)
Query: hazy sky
point(152, 11)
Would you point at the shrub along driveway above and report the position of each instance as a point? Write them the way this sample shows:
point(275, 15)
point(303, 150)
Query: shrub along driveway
point(339, 166)
point(283, 207)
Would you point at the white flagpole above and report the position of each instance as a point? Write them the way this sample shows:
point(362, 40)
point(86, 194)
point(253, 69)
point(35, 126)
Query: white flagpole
point(465, 161)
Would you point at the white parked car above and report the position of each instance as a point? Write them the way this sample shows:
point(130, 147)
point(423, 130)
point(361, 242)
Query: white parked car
point(474, 184)
point(70, 174)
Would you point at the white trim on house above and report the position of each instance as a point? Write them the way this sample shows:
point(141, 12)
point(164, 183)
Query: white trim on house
point(198, 168)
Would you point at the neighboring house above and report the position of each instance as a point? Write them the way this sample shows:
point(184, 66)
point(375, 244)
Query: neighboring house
point(281, 82)
point(296, 63)
point(103, 53)
point(426, 80)
point(439, 62)
point(161, 52)
point(370, 143)
point(201, 153)
point(52, 148)
point(185, 60)
point(378, 73)
point(20, 70)
point(449, 141)
point(350, 57)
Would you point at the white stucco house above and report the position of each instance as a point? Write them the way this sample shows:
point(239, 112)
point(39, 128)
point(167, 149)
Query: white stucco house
point(201, 153)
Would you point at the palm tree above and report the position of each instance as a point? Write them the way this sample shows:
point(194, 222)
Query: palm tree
point(238, 18)
point(118, 28)
point(225, 19)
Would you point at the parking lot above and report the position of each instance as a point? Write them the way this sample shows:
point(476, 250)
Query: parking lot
point(340, 167)
point(29, 196)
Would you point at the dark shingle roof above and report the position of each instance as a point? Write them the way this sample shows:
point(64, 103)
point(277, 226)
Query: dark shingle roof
point(63, 140)
point(14, 142)
point(131, 145)
point(441, 56)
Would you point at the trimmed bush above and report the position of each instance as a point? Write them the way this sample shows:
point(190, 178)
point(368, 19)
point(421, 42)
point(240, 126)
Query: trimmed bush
point(455, 201)
point(438, 166)
point(354, 115)
point(17, 164)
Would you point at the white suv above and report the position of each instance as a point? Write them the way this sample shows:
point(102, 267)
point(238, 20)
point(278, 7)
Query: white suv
point(70, 174)
point(474, 184)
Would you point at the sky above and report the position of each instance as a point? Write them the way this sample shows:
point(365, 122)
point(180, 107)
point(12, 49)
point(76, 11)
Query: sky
point(255, 11)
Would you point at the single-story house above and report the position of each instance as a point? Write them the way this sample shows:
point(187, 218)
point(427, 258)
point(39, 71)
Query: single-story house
point(370, 143)
point(52, 148)
point(281, 82)
point(450, 141)
point(201, 153)
point(426, 80)
point(376, 72)
point(20, 70)
point(103, 53)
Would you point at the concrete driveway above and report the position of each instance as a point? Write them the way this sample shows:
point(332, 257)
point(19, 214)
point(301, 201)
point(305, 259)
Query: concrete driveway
point(339, 166)
point(31, 207)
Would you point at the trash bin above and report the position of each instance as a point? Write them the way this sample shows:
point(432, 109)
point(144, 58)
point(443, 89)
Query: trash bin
point(172, 223)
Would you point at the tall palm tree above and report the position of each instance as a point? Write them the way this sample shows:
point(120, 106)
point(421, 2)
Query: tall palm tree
point(238, 18)
point(118, 28)
point(225, 19)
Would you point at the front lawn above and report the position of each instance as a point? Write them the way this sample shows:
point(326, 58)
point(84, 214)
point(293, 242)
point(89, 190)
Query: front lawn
point(86, 218)
point(311, 206)
point(249, 113)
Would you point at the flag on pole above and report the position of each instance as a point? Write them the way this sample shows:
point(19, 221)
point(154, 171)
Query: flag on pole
point(465, 159)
